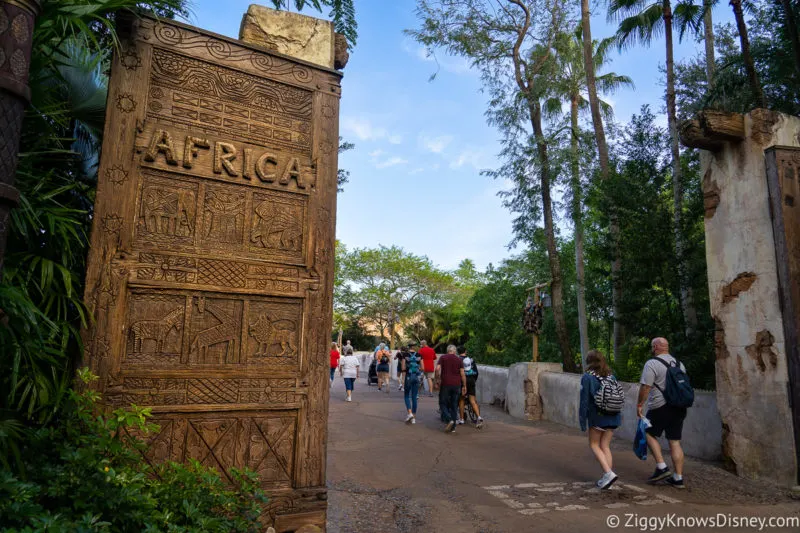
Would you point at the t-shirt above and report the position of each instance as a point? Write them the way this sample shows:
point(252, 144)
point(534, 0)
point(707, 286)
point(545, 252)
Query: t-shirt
point(428, 358)
point(655, 375)
point(347, 349)
point(451, 369)
point(399, 358)
point(334, 358)
point(349, 365)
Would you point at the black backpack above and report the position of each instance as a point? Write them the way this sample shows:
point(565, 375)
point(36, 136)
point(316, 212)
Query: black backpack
point(678, 391)
point(384, 360)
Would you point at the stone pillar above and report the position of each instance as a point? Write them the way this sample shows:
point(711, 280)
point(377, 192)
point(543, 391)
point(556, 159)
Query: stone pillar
point(751, 355)
point(522, 390)
point(16, 32)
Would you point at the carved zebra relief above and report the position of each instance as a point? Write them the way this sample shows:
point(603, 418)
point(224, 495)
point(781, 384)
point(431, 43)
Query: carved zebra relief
point(209, 277)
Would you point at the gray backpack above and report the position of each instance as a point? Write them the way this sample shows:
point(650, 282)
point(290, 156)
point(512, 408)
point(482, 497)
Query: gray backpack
point(609, 398)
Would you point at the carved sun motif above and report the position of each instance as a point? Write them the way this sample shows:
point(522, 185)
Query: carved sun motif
point(327, 111)
point(116, 175)
point(130, 59)
point(126, 103)
point(112, 223)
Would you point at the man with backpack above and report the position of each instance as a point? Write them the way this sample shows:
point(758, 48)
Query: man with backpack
point(666, 388)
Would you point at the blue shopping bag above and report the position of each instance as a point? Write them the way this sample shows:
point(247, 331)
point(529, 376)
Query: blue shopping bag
point(640, 441)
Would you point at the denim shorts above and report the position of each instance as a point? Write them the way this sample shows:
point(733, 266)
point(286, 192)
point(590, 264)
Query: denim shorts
point(348, 383)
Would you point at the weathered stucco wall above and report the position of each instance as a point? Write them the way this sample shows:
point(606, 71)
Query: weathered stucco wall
point(491, 385)
point(522, 391)
point(751, 371)
point(702, 431)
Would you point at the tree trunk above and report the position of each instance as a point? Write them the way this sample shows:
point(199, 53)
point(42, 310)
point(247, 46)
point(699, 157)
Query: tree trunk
point(708, 38)
point(577, 218)
point(749, 64)
point(556, 282)
point(686, 296)
point(605, 173)
point(791, 28)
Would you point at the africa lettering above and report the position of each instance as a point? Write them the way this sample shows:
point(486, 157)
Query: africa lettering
point(227, 159)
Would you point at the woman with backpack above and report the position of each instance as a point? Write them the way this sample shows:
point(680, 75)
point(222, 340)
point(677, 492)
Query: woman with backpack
point(601, 403)
point(384, 356)
point(412, 370)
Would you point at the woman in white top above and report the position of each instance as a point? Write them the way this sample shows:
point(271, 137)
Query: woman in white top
point(348, 369)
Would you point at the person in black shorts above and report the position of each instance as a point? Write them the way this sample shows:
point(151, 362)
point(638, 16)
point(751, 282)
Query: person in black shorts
point(664, 419)
point(471, 371)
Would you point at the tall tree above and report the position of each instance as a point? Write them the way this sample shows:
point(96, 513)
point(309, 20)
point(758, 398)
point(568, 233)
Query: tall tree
point(605, 173)
point(749, 64)
point(569, 84)
point(387, 285)
point(511, 42)
point(642, 23)
point(708, 40)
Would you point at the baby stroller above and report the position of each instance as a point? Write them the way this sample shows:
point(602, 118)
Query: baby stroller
point(372, 374)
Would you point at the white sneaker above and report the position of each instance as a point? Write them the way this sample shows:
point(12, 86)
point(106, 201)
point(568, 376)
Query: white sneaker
point(459, 421)
point(413, 419)
point(409, 418)
point(348, 399)
point(608, 479)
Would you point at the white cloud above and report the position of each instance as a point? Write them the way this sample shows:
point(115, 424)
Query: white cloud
point(375, 154)
point(416, 171)
point(363, 129)
point(475, 158)
point(391, 162)
point(435, 144)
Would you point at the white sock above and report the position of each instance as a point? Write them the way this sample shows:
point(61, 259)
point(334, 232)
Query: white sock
point(661, 466)
point(676, 477)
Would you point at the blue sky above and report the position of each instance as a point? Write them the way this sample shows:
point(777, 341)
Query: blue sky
point(420, 145)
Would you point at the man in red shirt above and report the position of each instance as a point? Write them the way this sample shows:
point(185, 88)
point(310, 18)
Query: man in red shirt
point(334, 360)
point(450, 369)
point(428, 363)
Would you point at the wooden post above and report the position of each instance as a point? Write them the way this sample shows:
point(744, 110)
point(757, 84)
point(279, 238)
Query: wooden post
point(16, 32)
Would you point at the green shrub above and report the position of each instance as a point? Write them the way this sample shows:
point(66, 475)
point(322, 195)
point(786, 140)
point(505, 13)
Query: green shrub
point(85, 472)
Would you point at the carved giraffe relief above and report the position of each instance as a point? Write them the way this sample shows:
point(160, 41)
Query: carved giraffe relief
point(223, 212)
point(274, 334)
point(215, 332)
point(155, 326)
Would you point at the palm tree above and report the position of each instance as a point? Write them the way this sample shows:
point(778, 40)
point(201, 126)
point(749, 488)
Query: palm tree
point(640, 22)
point(605, 173)
point(570, 84)
point(747, 56)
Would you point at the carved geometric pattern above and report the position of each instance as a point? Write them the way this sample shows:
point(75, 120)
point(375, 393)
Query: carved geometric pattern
point(264, 444)
point(221, 273)
point(243, 107)
point(218, 49)
point(130, 59)
point(126, 103)
point(167, 268)
point(203, 391)
point(116, 175)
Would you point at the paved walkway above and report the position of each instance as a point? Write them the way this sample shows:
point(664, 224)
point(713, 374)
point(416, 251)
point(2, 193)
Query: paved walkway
point(512, 476)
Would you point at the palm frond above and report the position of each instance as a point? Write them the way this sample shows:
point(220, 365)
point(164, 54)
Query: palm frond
point(688, 16)
point(641, 28)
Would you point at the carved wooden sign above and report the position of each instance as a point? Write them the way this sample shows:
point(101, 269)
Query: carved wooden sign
point(210, 274)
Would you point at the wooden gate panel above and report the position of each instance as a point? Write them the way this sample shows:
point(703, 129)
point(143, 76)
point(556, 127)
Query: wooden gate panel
point(210, 274)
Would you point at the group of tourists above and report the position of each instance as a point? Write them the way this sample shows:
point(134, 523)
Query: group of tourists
point(455, 375)
point(664, 396)
point(664, 390)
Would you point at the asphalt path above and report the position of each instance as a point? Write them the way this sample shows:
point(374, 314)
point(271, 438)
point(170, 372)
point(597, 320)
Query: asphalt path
point(385, 476)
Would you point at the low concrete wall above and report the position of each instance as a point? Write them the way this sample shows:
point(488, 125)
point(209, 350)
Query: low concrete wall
point(523, 399)
point(702, 431)
point(491, 385)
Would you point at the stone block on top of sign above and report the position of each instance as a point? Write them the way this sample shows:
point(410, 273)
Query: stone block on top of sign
point(302, 37)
